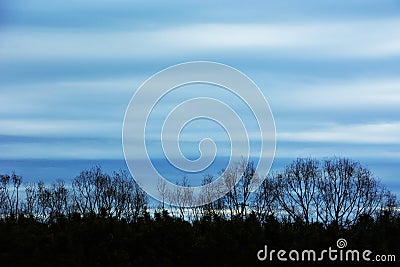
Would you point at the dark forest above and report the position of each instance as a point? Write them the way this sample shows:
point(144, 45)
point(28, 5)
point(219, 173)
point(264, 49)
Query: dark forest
point(103, 219)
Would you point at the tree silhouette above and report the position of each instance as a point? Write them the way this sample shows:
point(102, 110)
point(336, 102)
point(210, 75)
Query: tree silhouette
point(103, 219)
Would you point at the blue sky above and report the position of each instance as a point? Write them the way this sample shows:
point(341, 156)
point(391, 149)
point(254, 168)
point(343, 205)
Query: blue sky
point(329, 69)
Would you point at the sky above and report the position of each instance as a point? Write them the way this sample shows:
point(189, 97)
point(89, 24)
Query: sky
point(328, 69)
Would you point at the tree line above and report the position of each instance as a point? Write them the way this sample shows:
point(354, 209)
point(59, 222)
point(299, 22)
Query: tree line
point(331, 191)
point(102, 219)
point(91, 192)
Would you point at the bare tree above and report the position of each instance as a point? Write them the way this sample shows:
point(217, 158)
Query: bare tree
point(390, 205)
point(43, 201)
point(348, 190)
point(30, 207)
point(9, 195)
point(109, 196)
point(47, 203)
point(297, 188)
point(16, 180)
point(207, 196)
point(89, 189)
point(183, 197)
point(4, 195)
point(242, 178)
point(265, 201)
point(162, 189)
point(138, 199)
point(59, 199)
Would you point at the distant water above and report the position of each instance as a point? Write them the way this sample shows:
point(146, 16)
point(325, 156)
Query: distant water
point(33, 170)
point(48, 171)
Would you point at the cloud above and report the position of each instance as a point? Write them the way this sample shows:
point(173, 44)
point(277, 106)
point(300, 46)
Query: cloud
point(291, 149)
point(46, 148)
point(60, 128)
point(379, 133)
point(93, 14)
point(319, 39)
point(367, 94)
point(93, 99)
point(69, 70)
